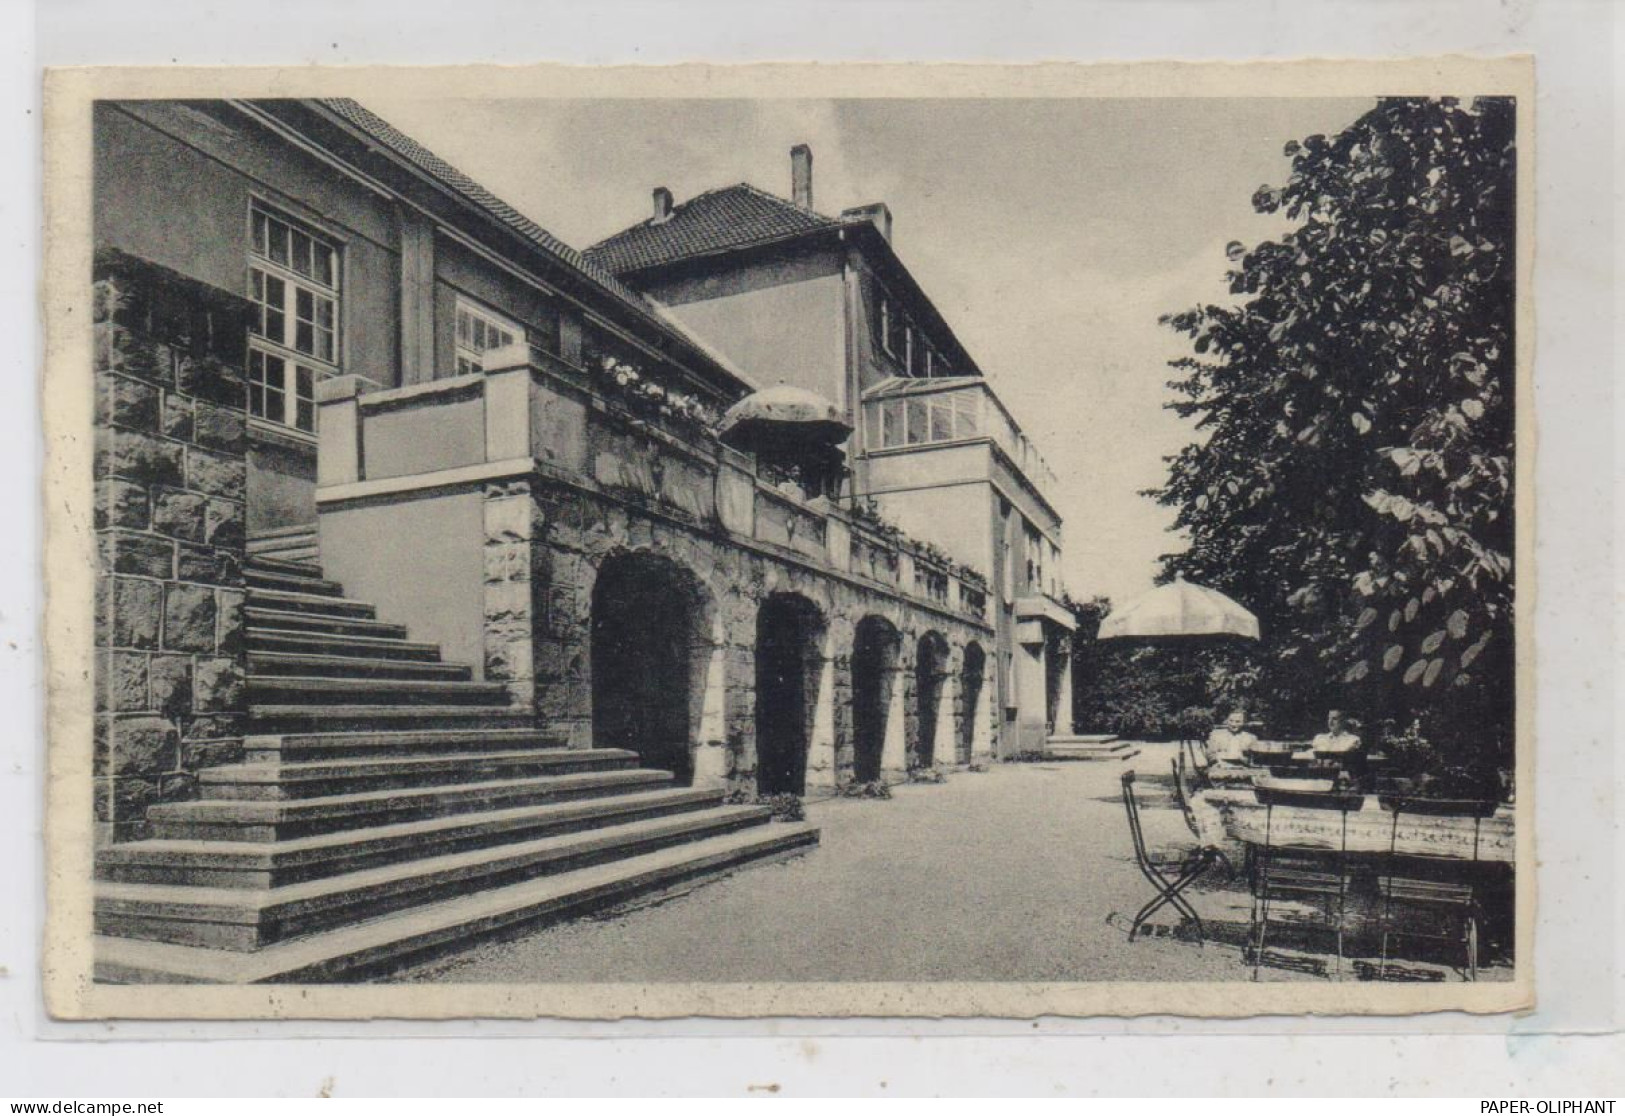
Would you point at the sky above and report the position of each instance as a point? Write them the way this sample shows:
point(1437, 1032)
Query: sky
point(1051, 234)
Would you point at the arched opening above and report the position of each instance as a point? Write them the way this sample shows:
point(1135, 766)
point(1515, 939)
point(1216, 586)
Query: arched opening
point(874, 665)
point(971, 675)
point(648, 645)
point(789, 655)
point(930, 669)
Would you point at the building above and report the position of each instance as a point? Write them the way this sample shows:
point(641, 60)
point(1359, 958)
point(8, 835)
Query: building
point(826, 304)
point(440, 567)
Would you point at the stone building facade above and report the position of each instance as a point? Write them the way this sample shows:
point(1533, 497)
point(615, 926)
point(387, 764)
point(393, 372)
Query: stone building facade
point(580, 525)
point(171, 478)
point(307, 321)
point(827, 304)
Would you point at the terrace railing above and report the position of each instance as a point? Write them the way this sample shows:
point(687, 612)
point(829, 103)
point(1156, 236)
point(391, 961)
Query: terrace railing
point(530, 411)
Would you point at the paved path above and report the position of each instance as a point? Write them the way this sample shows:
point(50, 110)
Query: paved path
point(1007, 875)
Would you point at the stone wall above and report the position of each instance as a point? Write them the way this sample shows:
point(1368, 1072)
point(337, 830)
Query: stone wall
point(170, 477)
point(547, 600)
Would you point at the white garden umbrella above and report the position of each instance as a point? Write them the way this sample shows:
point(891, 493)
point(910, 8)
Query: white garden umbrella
point(1180, 609)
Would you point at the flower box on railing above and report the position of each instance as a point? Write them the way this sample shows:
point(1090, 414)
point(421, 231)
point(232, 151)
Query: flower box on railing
point(873, 556)
point(931, 580)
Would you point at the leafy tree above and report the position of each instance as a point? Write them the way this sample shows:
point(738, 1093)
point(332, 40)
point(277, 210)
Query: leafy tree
point(1354, 486)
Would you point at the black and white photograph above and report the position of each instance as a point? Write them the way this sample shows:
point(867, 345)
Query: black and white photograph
point(968, 539)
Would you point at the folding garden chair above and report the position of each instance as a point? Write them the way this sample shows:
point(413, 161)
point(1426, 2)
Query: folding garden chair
point(1299, 874)
point(1441, 886)
point(1170, 875)
point(1195, 762)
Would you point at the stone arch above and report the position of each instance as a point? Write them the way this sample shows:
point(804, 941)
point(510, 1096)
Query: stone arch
point(876, 686)
point(652, 631)
point(931, 668)
point(790, 680)
point(972, 700)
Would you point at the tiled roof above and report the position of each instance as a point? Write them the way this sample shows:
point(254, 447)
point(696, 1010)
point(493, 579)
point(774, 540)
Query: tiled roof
point(427, 161)
point(715, 221)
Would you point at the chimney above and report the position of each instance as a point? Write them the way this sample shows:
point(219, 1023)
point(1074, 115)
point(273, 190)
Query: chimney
point(876, 213)
point(662, 199)
point(801, 175)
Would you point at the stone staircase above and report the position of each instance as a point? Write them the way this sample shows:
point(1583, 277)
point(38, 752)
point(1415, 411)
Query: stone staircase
point(1089, 746)
point(389, 807)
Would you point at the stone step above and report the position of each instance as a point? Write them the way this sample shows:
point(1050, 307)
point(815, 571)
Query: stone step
point(267, 663)
point(304, 550)
point(270, 564)
point(259, 821)
point(316, 604)
point(355, 646)
point(261, 577)
point(294, 530)
point(379, 945)
point(275, 718)
point(297, 747)
point(235, 918)
point(322, 778)
point(1083, 738)
point(315, 690)
point(279, 620)
point(304, 555)
point(275, 538)
point(275, 864)
point(1097, 748)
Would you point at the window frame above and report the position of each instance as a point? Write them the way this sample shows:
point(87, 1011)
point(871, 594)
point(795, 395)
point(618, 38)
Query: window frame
point(491, 319)
point(304, 295)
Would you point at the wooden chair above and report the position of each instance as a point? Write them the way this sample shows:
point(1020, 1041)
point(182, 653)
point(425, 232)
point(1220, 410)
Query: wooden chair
point(1442, 886)
point(1170, 875)
point(1293, 873)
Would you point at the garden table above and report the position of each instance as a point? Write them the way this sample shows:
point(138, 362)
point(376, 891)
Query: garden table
point(1370, 829)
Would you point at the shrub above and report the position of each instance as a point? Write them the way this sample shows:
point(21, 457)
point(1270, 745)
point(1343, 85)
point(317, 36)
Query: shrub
point(785, 806)
point(872, 789)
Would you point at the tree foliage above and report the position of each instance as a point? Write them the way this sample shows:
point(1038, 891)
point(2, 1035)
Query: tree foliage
point(1353, 482)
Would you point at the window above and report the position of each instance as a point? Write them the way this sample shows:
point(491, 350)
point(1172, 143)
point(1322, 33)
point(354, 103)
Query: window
point(885, 325)
point(293, 281)
point(917, 420)
point(966, 414)
point(478, 332)
point(276, 398)
point(916, 432)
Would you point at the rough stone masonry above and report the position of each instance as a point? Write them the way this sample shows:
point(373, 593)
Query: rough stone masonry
point(170, 477)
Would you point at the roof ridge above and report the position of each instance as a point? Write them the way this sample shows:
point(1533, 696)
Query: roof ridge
point(787, 202)
point(483, 197)
point(683, 206)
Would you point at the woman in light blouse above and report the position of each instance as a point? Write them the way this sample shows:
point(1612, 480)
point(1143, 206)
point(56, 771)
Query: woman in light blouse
point(1228, 743)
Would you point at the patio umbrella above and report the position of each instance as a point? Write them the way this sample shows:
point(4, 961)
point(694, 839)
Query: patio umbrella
point(1192, 616)
point(783, 414)
point(1177, 610)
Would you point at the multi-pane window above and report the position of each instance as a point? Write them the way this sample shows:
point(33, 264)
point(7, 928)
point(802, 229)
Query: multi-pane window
point(896, 337)
point(478, 331)
point(915, 420)
point(278, 395)
point(293, 281)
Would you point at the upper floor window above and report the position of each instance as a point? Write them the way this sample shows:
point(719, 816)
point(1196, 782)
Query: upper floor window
point(293, 280)
point(916, 420)
point(480, 330)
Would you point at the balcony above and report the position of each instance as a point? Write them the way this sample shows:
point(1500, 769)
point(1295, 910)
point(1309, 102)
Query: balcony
point(916, 413)
point(531, 412)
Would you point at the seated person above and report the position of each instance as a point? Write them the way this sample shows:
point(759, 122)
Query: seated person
point(1336, 743)
point(1228, 743)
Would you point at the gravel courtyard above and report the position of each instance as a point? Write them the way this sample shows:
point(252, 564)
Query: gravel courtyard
point(1007, 875)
